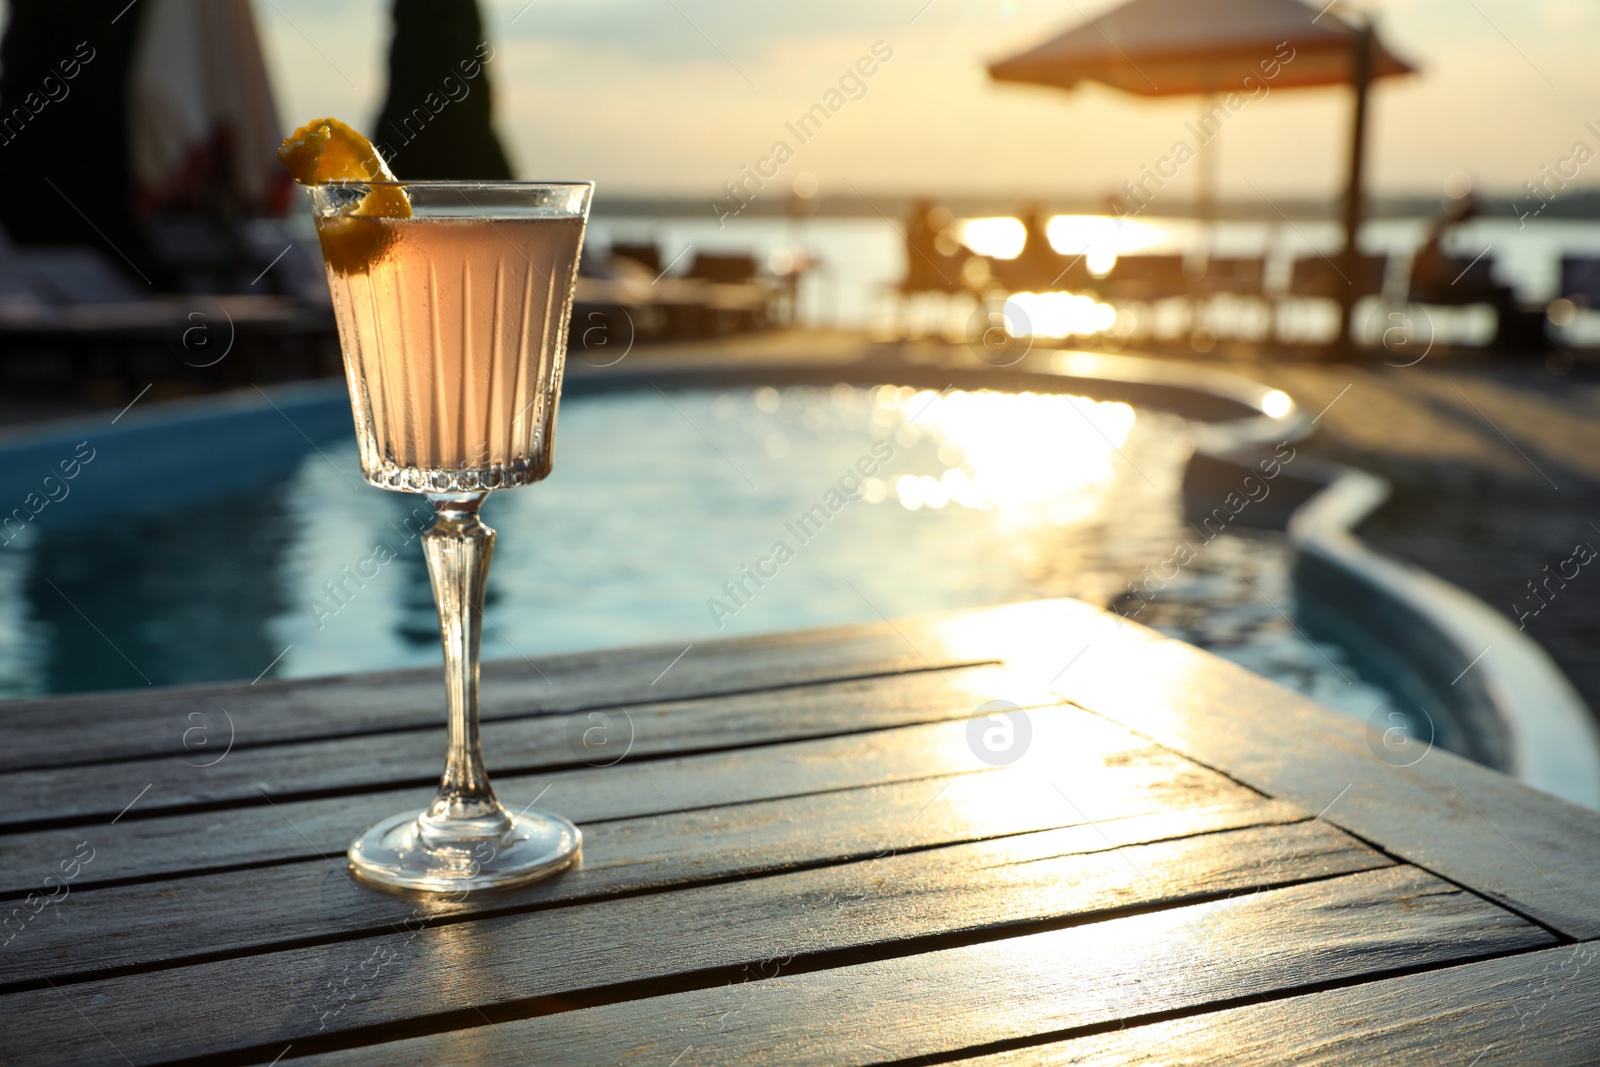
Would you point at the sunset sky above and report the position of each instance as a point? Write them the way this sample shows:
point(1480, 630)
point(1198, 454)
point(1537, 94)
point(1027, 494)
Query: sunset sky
point(673, 96)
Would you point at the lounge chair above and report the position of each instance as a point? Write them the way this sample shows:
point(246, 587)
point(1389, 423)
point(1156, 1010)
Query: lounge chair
point(1146, 279)
point(1580, 280)
point(647, 255)
point(1328, 278)
point(734, 294)
point(1238, 276)
point(1440, 281)
point(1047, 271)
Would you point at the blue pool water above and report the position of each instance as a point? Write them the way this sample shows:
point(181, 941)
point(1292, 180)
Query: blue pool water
point(671, 517)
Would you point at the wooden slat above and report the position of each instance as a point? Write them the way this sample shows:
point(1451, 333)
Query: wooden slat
point(160, 922)
point(1105, 771)
point(1345, 925)
point(1532, 1010)
point(720, 865)
point(67, 730)
point(210, 773)
point(1471, 824)
point(939, 1002)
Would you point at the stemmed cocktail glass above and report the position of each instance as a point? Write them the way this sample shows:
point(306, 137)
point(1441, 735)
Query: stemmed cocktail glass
point(453, 322)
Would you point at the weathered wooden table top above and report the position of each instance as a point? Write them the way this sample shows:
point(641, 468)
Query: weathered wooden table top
point(803, 848)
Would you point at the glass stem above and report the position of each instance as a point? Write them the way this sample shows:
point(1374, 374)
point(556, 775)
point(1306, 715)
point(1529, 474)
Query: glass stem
point(459, 547)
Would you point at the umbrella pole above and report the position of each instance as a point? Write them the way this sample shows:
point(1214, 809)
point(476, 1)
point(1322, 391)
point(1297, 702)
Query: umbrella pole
point(1354, 204)
point(1206, 208)
point(1205, 218)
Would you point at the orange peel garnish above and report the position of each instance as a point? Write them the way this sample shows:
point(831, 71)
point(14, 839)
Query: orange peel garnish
point(327, 150)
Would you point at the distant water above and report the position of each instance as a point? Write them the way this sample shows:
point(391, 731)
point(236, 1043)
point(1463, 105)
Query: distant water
point(861, 258)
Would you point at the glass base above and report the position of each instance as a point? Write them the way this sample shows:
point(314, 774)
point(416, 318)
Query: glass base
point(387, 475)
point(406, 852)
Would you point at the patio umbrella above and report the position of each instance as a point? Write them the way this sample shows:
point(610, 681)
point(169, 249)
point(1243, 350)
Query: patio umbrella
point(1187, 47)
point(203, 130)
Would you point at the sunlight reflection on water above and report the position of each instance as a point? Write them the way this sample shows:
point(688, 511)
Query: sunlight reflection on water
point(788, 508)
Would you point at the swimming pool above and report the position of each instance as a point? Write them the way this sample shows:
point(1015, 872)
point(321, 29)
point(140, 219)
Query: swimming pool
point(672, 516)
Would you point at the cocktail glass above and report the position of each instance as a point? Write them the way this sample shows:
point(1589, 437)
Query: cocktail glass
point(453, 323)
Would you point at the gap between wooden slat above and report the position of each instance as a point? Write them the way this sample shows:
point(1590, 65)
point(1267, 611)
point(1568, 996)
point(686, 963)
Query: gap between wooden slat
point(532, 744)
point(31, 731)
point(993, 1053)
point(1457, 1013)
point(488, 716)
point(540, 955)
point(1398, 857)
point(1068, 742)
point(1258, 941)
point(1137, 830)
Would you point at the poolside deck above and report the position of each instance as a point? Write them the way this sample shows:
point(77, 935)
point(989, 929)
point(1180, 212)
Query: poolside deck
point(799, 848)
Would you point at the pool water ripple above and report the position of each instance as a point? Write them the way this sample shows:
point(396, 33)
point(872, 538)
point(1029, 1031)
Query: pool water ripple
point(670, 517)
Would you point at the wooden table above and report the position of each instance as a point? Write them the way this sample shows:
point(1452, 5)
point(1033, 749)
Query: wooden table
point(802, 848)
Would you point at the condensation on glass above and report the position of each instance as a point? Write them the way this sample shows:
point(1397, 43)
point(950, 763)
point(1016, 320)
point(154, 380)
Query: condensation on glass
point(453, 323)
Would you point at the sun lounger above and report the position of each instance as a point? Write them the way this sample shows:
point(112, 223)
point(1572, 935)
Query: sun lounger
point(1043, 272)
point(647, 255)
point(1580, 280)
point(1326, 276)
point(1239, 276)
point(1146, 278)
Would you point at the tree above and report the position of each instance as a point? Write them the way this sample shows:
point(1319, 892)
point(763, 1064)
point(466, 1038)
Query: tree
point(63, 122)
point(437, 119)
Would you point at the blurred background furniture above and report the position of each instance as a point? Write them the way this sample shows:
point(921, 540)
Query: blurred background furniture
point(625, 295)
point(1146, 279)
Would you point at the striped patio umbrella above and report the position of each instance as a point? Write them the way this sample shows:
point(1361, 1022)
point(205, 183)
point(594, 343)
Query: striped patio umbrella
point(203, 127)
